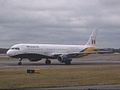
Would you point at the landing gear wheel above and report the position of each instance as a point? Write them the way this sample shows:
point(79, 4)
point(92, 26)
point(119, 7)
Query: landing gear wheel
point(68, 62)
point(19, 63)
point(48, 62)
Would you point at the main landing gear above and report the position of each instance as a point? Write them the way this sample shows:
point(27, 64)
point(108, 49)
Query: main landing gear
point(68, 62)
point(20, 61)
point(47, 62)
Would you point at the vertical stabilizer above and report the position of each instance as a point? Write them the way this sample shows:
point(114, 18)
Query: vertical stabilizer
point(92, 40)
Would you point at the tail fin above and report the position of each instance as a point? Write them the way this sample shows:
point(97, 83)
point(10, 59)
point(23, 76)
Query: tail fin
point(92, 40)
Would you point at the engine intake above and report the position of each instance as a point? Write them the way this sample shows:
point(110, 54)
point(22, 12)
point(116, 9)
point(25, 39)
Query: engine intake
point(63, 58)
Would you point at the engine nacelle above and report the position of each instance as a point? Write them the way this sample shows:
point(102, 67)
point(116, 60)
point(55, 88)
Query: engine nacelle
point(34, 59)
point(63, 58)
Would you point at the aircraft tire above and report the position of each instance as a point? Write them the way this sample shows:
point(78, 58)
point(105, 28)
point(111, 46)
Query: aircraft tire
point(19, 63)
point(48, 62)
point(67, 62)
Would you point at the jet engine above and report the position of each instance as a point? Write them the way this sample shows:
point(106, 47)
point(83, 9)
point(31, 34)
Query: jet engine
point(64, 59)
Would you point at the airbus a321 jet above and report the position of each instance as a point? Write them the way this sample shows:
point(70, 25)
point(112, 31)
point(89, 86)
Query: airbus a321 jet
point(63, 53)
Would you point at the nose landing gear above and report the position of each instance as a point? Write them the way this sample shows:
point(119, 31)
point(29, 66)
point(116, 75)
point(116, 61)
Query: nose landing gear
point(20, 61)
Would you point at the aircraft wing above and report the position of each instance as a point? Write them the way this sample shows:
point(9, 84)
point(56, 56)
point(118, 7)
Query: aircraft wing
point(70, 55)
point(78, 54)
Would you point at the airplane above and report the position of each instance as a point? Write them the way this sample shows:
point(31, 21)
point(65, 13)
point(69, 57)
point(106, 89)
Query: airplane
point(63, 53)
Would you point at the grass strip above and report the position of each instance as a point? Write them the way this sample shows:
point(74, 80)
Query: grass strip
point(17, 77)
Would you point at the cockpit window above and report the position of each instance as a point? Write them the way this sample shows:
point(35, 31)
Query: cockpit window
point(15, 48)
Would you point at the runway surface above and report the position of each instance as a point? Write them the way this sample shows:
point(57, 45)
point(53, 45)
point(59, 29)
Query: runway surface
point(96, 87)
point(40, 64)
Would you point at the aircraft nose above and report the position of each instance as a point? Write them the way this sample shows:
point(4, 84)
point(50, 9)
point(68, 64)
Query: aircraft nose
point(8, 53)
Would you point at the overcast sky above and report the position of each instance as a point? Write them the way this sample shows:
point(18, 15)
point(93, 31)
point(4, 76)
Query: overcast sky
point(59, 21)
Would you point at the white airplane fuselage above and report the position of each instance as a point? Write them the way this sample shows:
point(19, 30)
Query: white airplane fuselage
point(44, 49)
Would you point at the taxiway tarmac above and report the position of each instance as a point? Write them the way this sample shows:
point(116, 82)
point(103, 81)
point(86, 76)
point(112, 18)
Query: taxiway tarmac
point(55, 63)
